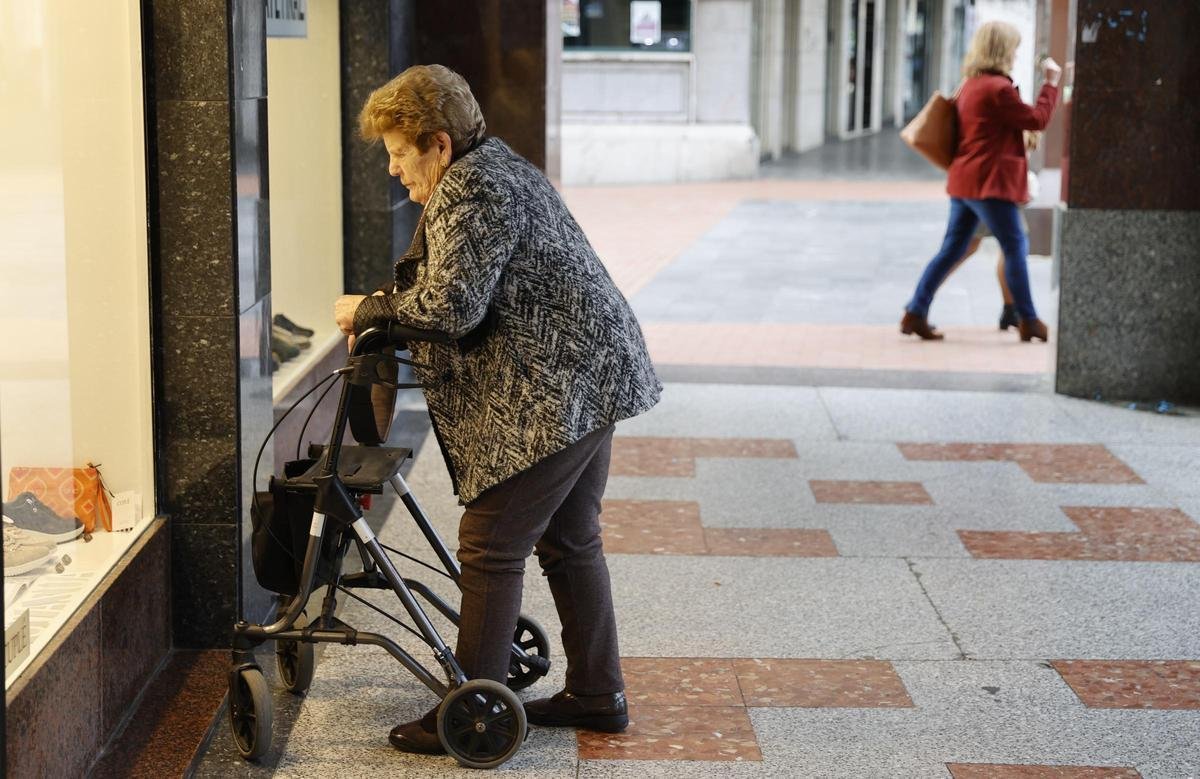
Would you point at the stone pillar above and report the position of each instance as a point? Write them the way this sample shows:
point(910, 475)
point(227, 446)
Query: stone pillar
point(1129, 309)
point(500, 49)
point(377, 217)
point(210, 264)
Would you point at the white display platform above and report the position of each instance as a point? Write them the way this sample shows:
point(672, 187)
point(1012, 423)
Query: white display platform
point(291, 372)
point(52, 597)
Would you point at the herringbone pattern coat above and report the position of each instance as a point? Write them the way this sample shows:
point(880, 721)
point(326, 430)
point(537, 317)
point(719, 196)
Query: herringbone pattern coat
point(548, 349)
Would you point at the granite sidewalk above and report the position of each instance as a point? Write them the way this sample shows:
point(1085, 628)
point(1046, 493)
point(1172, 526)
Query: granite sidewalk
point(839, 582)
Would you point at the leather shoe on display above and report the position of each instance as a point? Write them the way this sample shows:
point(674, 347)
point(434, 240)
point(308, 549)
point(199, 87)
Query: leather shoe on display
point(283, 351)
point(26, 512)
point(419, 736)
point(279, 335)
point(912, 324)
point(607, 713)
point(291, 326)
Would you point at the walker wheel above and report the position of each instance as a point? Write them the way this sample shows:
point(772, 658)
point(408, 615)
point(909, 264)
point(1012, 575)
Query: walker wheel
point(250, 712)
point(296, 663)
point(481, 724)
point(533, 639)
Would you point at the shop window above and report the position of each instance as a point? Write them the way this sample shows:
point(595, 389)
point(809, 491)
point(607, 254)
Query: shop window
point(74, 310)
point(304, 136)
point(629, 25)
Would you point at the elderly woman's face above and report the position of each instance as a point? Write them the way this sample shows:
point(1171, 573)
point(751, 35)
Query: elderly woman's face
point(419, 171)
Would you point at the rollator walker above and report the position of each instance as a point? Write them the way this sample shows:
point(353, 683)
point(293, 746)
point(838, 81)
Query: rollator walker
point(303, 529)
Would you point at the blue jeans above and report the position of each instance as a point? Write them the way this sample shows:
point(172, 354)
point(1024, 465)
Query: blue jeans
point(1003, 219)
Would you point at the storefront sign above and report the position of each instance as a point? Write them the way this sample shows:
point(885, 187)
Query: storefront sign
point(287, 18)
point(645, 22)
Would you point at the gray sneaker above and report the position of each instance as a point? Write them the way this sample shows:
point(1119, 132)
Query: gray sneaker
point(29, 513)
point(21, 556)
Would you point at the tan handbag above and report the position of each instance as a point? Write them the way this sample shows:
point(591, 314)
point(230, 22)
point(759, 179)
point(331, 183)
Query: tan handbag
point(933, 133)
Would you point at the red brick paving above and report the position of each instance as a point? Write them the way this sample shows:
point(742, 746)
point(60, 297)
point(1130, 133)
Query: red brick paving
point(1047, 463)
point(855, 684)
point(634, 456)
point(696, 708)
point(873, 492)
point(768, 542)
point(652, 527)
point(1006, 771)
point(1128, 534)
point(671, 527)
point(713, 733)
point(1133, 684)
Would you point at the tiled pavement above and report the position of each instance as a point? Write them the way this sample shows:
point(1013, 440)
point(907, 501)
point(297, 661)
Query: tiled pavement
point(823, 582)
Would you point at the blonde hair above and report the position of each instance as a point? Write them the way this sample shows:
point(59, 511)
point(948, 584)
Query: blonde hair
point(993, 49)
point(421, 101)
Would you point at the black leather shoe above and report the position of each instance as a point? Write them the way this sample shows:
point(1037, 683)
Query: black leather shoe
point(419, 736)
point(606, 713)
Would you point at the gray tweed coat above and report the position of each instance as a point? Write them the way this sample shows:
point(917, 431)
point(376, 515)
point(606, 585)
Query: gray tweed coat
point(548, 349)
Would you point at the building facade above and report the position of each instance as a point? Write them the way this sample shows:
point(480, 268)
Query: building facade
point(706, 89)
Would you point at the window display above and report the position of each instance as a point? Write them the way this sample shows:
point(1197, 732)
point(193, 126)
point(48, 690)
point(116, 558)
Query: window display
point(304, 126)
point(639, 25)
point(76, 449)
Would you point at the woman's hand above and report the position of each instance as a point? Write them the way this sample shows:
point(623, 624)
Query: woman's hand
point(1051, 71)
point(343, 312)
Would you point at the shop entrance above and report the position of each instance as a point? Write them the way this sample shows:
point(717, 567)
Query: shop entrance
point(856, 64)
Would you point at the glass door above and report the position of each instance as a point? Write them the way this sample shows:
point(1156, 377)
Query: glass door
point(862, 26)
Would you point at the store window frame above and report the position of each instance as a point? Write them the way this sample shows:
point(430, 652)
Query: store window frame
point(662, 46)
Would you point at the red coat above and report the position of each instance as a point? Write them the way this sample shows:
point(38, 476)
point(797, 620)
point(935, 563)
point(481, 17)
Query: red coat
point(990, 160)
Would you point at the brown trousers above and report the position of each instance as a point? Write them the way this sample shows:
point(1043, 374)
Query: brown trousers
point(553, 506)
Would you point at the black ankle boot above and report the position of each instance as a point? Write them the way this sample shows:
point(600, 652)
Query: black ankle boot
point(1008, 317)
point(607, 713)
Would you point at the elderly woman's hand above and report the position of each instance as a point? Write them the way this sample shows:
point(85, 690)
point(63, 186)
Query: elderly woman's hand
point(343, 312)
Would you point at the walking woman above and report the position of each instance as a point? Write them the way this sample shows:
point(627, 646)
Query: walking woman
point(987, 179)
point(547, 358)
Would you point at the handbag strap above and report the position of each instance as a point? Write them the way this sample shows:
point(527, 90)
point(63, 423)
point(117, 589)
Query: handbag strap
point(100, 478)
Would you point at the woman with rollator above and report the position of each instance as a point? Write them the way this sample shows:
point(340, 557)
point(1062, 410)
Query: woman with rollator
point(547, 356)
point(988, 177)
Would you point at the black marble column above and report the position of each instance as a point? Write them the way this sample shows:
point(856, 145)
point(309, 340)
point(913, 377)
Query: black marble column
point(377, 217)
point(1129, 309)
point(210, 260)
point(500, 49)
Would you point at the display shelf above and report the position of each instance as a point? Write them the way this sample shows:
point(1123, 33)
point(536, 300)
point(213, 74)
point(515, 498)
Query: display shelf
point(293, 371)
point(52, 597)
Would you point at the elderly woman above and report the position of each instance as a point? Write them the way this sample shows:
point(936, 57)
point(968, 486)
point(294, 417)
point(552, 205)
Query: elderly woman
point(547, 357)
point(988, 176)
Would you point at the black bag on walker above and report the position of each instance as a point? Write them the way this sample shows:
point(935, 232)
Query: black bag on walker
point(280, 520)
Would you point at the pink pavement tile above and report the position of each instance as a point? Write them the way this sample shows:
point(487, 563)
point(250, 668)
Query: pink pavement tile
point(1047, 463)
point(1010, 771)
point(871, 492)
point(1105, 533)
point(1133, 684)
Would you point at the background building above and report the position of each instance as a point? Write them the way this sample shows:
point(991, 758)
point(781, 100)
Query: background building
point(684, 90)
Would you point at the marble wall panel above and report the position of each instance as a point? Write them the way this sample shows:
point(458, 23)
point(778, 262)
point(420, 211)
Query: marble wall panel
point(1136, 111)
point(1129, 308)
point(204, 587)
point(190, 44)
point(198, 418)
point(196, 260)
point(500, 49)
point(52, 714)
point(135, 629)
